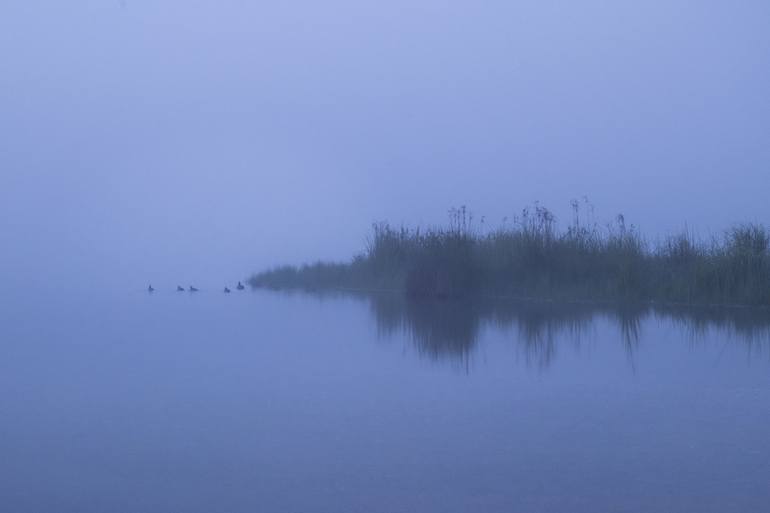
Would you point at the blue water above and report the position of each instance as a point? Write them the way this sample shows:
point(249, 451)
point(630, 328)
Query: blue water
point(256, 401)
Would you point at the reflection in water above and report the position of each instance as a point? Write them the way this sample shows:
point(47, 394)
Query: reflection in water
point(450, 330)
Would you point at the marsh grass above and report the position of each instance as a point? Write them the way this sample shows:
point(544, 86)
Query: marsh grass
point(531, 257)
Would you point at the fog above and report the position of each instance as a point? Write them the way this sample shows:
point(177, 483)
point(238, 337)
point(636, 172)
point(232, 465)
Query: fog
point(196, 142)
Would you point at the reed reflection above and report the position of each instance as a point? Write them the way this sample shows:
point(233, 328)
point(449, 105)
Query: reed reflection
point(452, 329)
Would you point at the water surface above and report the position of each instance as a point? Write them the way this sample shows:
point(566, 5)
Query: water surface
point(259, 401)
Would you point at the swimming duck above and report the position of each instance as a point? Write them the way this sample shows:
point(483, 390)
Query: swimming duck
point(193, 289)
point(150, 289)
point(240, 286)
point(179, 288)
point(227, 291)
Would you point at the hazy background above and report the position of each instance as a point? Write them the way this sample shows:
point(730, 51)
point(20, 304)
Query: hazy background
point(194, 142)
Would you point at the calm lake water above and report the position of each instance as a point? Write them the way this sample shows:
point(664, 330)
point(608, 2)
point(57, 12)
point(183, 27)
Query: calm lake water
point(266, 402)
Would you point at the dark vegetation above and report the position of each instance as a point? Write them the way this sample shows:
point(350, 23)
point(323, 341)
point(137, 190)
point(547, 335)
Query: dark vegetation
point(532, 258)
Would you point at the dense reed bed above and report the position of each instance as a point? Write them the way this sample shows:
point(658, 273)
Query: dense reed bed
point(531, 257)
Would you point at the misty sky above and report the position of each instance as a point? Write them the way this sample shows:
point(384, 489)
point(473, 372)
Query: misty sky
point(197, 141)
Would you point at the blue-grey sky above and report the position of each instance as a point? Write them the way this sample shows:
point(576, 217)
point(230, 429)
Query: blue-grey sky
point(196, 141)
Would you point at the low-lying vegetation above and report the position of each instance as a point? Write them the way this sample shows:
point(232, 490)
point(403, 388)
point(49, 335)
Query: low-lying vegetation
point(531, 257)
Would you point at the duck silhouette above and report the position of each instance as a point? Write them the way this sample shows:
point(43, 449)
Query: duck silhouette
point(193, 289)
point(240, 286)
point(150, 289)
point(179, 288)
point(227, 291)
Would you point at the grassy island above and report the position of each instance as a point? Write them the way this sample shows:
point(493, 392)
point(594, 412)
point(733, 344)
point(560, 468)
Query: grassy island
point(531, 257)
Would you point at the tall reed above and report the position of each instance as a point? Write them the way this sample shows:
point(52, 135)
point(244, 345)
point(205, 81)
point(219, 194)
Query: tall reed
point(532, 257)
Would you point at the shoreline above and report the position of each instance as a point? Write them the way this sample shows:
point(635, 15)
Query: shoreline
point(533, 259)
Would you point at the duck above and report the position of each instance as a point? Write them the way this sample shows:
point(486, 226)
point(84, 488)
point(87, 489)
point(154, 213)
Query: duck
point(150, 289)
point(179, 288)
point(240, 286)
point(227, 291)
point(193, 289)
